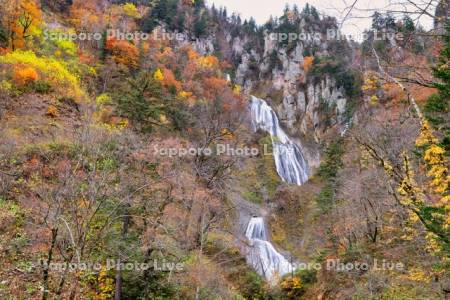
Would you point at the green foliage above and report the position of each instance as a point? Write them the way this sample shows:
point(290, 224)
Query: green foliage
point(436, 103)
point(349, 80)
point(442, 70)
point(328, 170)
point(165, 11)
point(251, 286)
point(332, 161)
point(274, 61)
point(42, 87)
point(325, 198)
point(308, 276)
point(141, 101)
point(437, 107)
point(200, 25)
point(3, 36)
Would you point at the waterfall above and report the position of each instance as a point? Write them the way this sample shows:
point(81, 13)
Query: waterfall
point(264, 258)
point(292, 168)
point(289, 161)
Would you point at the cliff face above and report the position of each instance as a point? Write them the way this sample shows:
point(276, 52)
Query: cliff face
point(303, 82)
point(442, 14)
point(307, 79)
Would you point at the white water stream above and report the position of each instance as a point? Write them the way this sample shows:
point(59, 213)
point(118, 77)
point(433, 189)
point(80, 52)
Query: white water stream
point(264, 258)
point(292, 168)
point(289, 160)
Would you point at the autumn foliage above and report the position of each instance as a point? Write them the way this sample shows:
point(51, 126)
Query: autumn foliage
point(21, 18)
point(307, 63)
point(25, 75)
point(123, 52)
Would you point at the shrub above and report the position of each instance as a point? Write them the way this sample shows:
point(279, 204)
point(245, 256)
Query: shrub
point(52, 70)
point(52, 111)
point(42, 87)
point(25, 76)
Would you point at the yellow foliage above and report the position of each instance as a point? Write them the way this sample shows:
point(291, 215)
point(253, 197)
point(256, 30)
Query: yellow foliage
point(130, 10)
point(103, 99)
point(158, 75)
point(444, 201)
point(105, 286)
point(292, 286)
point(163, 119)
point(237, 89)
point(418, 275)
point(371, 83)
point(5, 86)
point(373, 99)
point(432, 244)
point(184, 94)
point(226, 133)
point(434, 154)
point(208, 62)
point(52, 70)
point(426, 135)
point(435, 158)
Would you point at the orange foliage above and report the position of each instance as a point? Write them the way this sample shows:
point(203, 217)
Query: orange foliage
point(208, 62)
point(170, 80)
point(21, 19)
point(123, 52)
point(52, 111)
point(307, 63)
point(84, 14)
point(192, 54)
point(24, 76)
point(86, 58)
point(165, 56)
point(421, 94)
point(213, 86)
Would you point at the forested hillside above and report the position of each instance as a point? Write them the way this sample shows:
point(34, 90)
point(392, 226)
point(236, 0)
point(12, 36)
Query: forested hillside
point(169, 149)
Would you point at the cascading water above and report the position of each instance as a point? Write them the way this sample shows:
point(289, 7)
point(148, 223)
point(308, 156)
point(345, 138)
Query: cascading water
point(289, 160)
point(292, 168)
point(262, 255)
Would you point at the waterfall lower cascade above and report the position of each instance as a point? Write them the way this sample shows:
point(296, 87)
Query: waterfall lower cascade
point(292, 168)
point(264, 258)
point(289, 161)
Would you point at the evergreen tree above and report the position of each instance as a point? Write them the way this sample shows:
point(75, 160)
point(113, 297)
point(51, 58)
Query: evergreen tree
point(141, 100)
point(378, 21)
point(408, 24)
point(306, 10)
point(200, 25)
point(390, 22)
point(314, 13)
point(224, 13)
point(165, 11)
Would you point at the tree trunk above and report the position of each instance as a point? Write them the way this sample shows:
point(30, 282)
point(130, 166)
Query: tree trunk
point(47, 266)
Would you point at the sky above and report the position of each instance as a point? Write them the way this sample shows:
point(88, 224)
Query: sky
point(355, 24)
